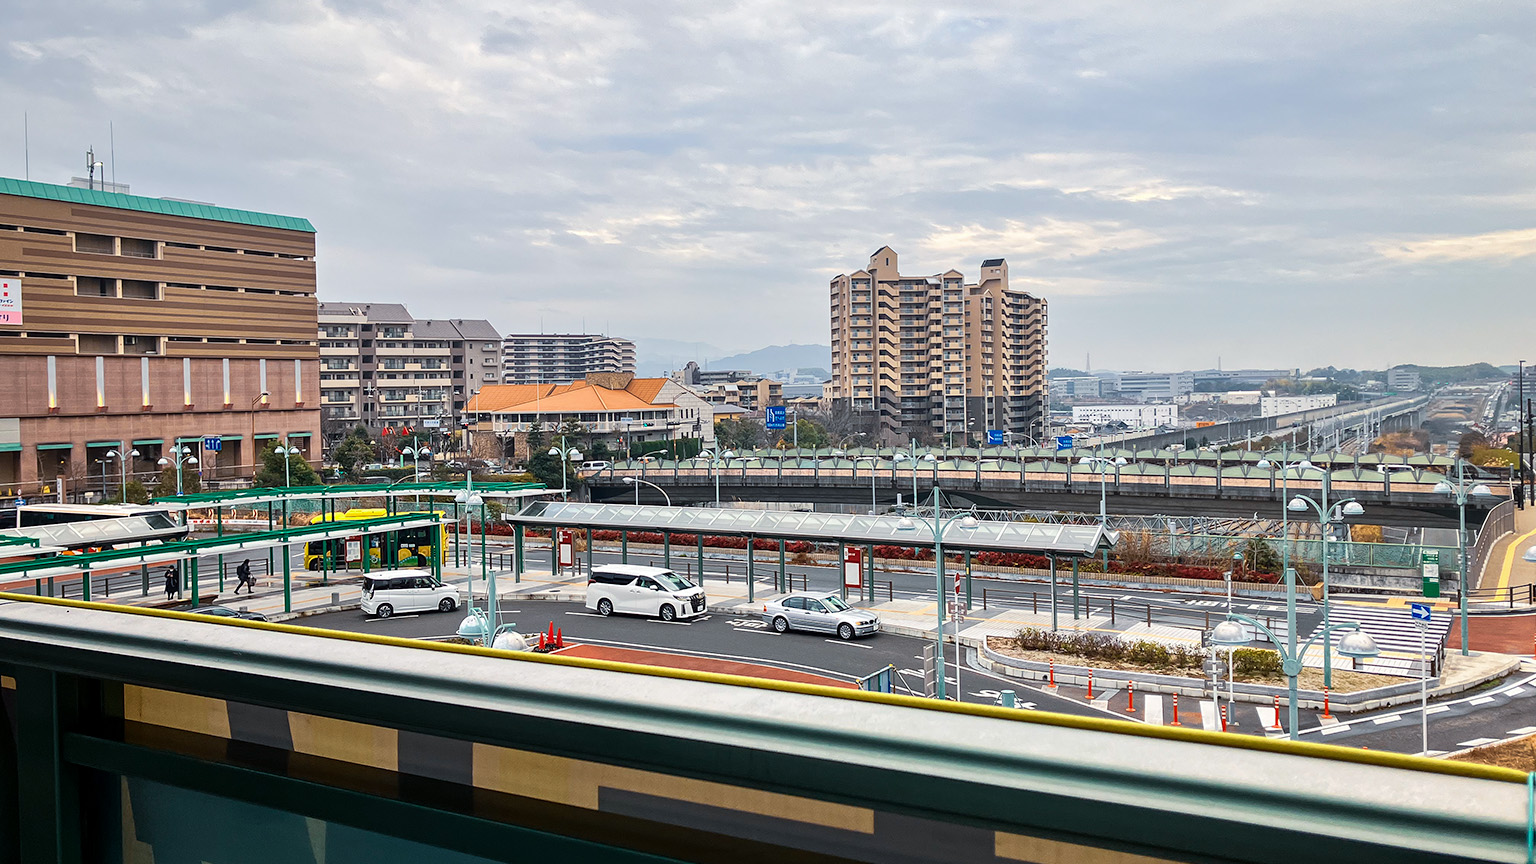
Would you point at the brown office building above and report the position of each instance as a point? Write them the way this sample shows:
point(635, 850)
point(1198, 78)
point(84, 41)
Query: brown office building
point(933, 356)
point(132, 323)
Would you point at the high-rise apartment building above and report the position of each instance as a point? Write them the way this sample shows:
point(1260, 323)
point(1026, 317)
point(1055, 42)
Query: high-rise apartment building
point(557, 358)
point(132, 325)
point(386, 369)
point(935, 355)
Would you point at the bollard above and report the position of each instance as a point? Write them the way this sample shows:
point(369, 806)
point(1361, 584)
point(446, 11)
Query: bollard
point(1052, 685)
point(335, 598)
point(1175, 711)
point(1034, 600)
point(1326, 715)
point(1276, 727)
point(1111, 611)
point(1223, 718)
point(1130, 703)
point(1007, 699)
point(1149, 614)
point(1090, 684)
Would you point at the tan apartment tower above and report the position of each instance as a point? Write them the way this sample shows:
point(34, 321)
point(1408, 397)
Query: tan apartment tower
point(132, 325)
point(935, 356)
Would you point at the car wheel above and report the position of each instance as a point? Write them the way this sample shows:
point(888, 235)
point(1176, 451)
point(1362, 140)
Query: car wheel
point(845, 632)
point(385, 610)
point(315, 564)
point(781, 624)
point(447, 605)
point(605, 607)
point(667, 612)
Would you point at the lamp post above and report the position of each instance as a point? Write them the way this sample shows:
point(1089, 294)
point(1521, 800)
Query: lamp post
point(416, 454)
point(874, 461)
point(287, 453)
point(123, 489)
point(714, 466)
point(1231, 634)
point(1285, 513)
point(636, 482)
point(1462, 491)
point(565, 455)
point(1104, 463)
point(181, 455)
point(968, 522)
point(477, 624)
point(1327, 516)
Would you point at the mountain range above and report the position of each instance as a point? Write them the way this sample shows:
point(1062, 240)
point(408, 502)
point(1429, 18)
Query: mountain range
point(660, 356)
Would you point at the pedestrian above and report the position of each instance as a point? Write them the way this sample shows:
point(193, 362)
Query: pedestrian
point(172, 583)
point(243, 577)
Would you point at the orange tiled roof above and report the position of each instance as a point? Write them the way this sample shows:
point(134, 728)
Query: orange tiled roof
point(575, 397)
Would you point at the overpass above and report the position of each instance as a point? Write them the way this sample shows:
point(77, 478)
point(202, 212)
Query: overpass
point(144, 735)
point(1395, 491)
point(1393, 412)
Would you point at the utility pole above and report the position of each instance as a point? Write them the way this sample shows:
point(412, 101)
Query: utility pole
point(1520, 436)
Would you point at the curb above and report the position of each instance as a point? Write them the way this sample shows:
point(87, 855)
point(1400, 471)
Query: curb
point(305, 613)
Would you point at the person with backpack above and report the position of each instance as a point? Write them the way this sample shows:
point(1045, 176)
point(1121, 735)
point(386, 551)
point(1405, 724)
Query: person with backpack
point(243, 577)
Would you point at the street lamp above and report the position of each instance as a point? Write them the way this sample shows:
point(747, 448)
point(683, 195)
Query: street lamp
point(181, 455)
point(636, 482)
point(714, 466)
point(287, 453)
point(1327, 516)
point(416, 454)
point(1231, 634)
point(874, 461)
point(1462, 491)
point(969, 523)
point(477, 624)
point(565, 455)
point(113, 454)
point(1104, 463)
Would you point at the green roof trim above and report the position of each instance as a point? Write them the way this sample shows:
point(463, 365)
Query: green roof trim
point(149, 441)
point(102, 443)
point(99, 198)
point(10, 448)
point(55, 446)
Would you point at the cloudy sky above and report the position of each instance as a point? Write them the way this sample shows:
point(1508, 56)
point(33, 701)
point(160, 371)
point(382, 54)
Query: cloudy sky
point(1270, 183)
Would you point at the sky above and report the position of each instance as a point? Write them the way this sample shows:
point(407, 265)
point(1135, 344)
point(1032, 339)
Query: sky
point(1255, 183)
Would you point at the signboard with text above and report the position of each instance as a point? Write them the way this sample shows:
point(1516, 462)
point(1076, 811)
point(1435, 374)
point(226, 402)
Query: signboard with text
point(853, 570)
point(1429, 562)
point(994, 437)
point(213, 444)
point(774, 418)
point(10, 302)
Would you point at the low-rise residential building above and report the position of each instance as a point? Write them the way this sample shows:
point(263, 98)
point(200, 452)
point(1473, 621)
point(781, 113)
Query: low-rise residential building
point(558, 358)
point(1274, 406)
point(751, 395)
point(616, 404)
point(1403, 379)
point(1135, 416)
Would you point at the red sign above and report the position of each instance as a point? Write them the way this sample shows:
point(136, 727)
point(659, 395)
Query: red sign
point(567, 548)
point(853, 569)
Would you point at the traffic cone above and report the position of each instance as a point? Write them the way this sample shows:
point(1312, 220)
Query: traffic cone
point(1175, 711)
point(560, 638)
point(541, 643)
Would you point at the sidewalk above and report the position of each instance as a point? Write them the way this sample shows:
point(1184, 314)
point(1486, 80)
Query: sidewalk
point(1505, 567)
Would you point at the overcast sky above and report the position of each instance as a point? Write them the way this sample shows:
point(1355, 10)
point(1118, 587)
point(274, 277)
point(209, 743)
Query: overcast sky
point(1272, 183)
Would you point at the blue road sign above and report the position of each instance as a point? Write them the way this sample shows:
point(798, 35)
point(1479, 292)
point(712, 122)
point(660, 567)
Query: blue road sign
point(1420, 611)
point(994, 437)
point(1063, 442)
point(213, 444)
point(775, 418)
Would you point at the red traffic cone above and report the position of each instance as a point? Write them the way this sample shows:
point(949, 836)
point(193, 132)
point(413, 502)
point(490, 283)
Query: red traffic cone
point(560, 638)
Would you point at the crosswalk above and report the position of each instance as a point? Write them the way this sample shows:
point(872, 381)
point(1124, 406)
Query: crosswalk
point(1396, 635)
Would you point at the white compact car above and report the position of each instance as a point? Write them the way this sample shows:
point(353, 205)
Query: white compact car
point(392, 591)
point(636, 590)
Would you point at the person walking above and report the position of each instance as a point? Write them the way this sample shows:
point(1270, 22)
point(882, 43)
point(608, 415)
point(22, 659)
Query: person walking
point(172, 583)
point(243, 577)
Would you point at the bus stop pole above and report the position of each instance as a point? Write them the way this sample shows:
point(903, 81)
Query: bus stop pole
point(623, 547)
point(218, 520)
point(287, 577)
point(783, 578)
point(192, 577)
point(554, 550)
point(85, 584)
point(666, 549)
point(517, 552)
point(967, 579)
point(869, 573)
point(700, 538)
point(751, 583)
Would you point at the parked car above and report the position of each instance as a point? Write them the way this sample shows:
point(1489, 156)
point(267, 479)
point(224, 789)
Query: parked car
point(594, 465)
point(407, 591)
point(820, 613)
point(226, 612)
point(636, 590)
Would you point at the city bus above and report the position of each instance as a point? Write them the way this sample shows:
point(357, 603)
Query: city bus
point(411, 547)
point(34, 515)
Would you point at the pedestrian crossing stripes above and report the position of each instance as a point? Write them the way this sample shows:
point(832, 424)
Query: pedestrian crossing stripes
point(1396, 636)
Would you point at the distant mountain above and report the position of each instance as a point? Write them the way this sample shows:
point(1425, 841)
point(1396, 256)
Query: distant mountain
point(658, 357)
point(775, 358)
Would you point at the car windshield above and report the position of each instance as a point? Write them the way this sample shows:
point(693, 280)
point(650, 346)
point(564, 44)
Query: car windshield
point(835, 604)
point(673, 582)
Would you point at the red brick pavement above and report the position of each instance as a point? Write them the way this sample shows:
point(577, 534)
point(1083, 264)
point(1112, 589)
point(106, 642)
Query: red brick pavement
point(1505, 634)
point(700, 664)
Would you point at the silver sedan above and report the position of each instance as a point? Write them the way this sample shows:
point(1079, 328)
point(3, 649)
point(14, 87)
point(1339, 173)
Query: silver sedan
point(820, 613)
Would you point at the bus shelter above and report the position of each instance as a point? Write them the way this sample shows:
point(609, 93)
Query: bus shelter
point(1064, 542)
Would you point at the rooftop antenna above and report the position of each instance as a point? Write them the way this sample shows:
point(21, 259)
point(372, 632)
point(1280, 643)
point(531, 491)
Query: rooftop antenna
point(90, 167)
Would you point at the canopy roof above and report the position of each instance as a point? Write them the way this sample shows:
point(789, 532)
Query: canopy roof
point(1036, 537)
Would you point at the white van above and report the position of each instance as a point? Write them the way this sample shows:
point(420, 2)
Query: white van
point(593, 466)
point(636, 590)
point(391, 591)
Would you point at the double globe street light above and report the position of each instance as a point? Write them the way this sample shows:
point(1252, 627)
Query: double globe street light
point(564, 455)
point(1462, 490)
point(714, 467)
point(1327, 517)
point(123, 489)
point(180, 455)
point(969, 523)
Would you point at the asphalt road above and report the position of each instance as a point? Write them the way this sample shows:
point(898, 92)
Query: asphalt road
point(724, 637)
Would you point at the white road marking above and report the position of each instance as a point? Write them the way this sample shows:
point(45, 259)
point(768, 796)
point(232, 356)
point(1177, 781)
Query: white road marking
point(680, 623)
point(1337, 727)
point(1513, 691)
point(1390, 718)
point(1476, 742)
point(391, 618)
point(587, 614)
point(1433, 753)
point(850, 644)
point(1438, 709)
point(1523, 730)
point(1481, 700)
point(1152, 705)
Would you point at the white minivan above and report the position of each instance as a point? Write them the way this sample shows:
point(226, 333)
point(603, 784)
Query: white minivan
point(636, 590)
point(388, 592)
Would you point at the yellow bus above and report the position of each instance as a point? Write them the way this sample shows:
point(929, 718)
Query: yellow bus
point(411, 547)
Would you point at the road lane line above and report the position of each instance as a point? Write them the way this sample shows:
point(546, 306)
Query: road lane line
point(1523, 730)
point(849, 644)
point(1391, 718)
point(1476, 742)
point(1481, 700)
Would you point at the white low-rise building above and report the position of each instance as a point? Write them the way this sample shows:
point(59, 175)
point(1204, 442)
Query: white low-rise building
point(1136, 416)
point(1274, 406)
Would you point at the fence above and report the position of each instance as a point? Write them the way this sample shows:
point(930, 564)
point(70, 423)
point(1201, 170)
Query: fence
point(1500, 521)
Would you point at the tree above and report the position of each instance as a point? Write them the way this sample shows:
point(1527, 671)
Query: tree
point(135, 493)
point(1470, 441)
point(536, 438)
point(812, 435)
point(190, 482)
point(272, 472)
point(354, 451)
point(738, 434)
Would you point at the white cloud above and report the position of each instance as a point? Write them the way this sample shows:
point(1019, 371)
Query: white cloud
point(1492, 246)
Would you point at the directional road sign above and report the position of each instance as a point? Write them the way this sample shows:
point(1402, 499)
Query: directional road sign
point(775, 418)
point(1420, 611)
point(213, 444)
point(1063, 442)
point(994, 437)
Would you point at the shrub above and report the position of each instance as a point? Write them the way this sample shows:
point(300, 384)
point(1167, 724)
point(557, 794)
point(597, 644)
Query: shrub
point(1149, 654)
point(1257, 663)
